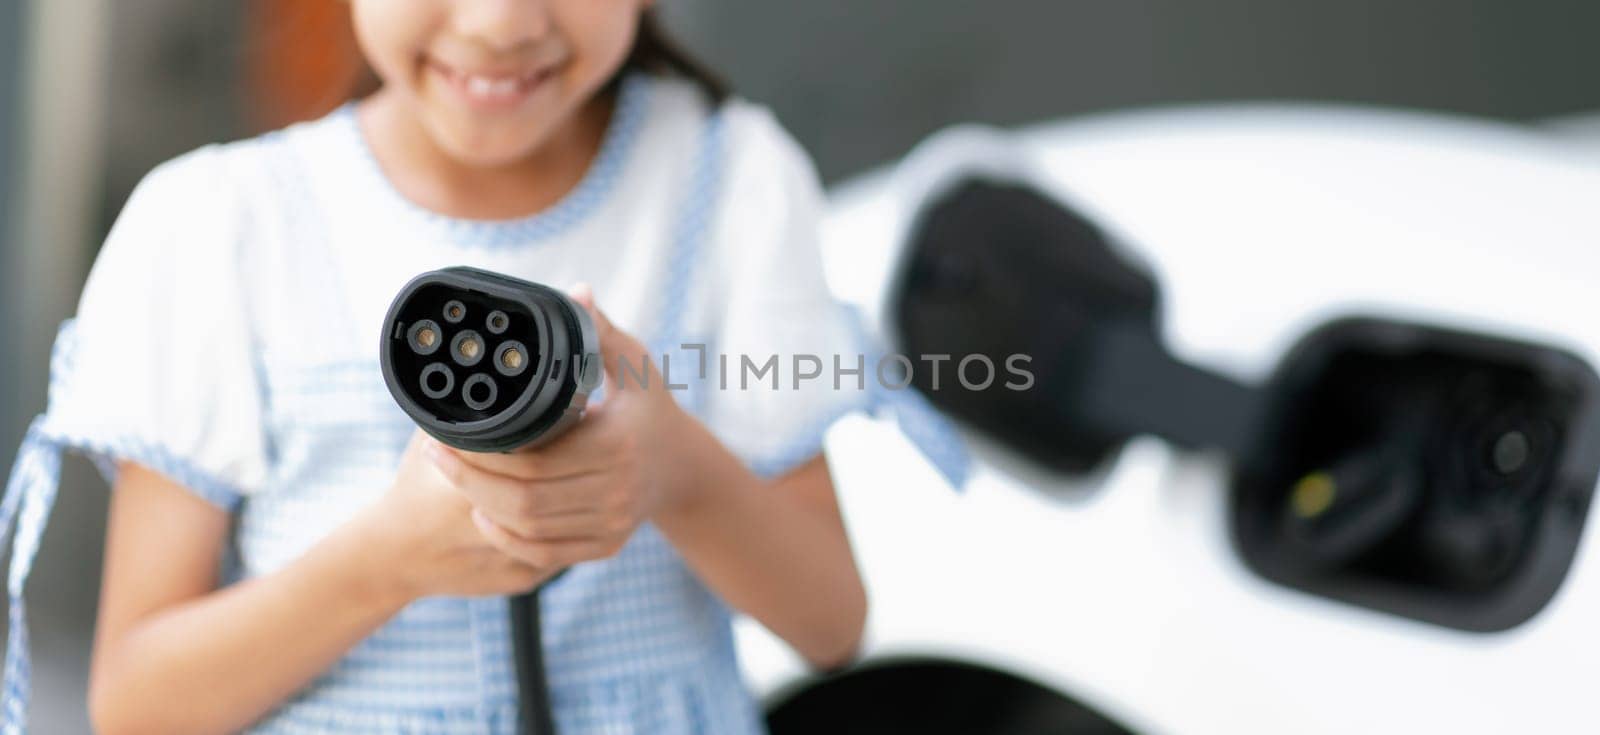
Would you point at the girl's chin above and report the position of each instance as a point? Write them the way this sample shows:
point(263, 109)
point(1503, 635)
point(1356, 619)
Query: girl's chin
point(478, 157)
point(490, 148)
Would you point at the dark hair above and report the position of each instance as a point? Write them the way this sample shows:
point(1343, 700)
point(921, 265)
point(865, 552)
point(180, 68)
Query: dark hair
point(657, 52)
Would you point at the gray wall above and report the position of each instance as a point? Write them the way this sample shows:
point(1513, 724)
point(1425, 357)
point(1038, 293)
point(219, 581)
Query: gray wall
point(173, 87)
point(860, 81)
point(11, 19)
point(169, 86)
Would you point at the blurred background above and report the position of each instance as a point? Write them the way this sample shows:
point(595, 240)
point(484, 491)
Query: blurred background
point(94, 93)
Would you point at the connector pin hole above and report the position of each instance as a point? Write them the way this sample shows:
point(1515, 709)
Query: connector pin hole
point(437, 380)
point(479, 392)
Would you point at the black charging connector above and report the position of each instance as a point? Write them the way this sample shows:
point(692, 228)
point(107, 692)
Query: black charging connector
point(488, 363)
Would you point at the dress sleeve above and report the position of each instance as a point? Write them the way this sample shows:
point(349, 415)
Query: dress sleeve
point(778, 313)
point(158, 366)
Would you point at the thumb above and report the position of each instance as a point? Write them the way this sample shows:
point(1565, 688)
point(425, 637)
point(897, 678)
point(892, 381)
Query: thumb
point(616, 346)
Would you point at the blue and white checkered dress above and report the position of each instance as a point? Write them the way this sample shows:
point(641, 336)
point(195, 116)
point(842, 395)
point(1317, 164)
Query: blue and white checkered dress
point(228, 338)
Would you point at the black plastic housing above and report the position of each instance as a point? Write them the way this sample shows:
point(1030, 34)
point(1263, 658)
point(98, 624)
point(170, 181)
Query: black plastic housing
point(526, 406)
point(998, 269)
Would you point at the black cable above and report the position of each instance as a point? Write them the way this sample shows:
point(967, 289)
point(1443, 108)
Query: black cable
point(527, 649)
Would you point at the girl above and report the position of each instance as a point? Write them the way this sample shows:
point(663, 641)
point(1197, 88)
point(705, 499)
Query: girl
point(223, 367)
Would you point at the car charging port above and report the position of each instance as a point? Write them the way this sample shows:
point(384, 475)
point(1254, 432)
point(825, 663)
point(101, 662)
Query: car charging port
point(1430, 473)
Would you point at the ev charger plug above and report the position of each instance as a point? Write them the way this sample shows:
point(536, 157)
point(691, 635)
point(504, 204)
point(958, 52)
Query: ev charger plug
point(488, 363)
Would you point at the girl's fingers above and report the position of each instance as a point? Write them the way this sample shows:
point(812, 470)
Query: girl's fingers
point(582, 450)
point(510, 499)
point(558, 497)
point(543, 554)
point(529, 465)
point(505, 497)
point(595, 444)
point(590, 493)
point(561, 527)
point(483, 488)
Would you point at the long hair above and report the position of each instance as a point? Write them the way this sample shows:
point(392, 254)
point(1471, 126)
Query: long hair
point(302, 61)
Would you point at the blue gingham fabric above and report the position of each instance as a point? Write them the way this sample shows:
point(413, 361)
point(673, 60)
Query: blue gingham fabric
point(633, 644)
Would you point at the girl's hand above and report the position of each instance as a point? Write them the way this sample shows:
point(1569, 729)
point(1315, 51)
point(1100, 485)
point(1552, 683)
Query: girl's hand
point(581, 496)
point(424, 539)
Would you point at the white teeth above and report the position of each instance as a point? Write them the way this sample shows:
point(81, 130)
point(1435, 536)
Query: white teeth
point(486, 87)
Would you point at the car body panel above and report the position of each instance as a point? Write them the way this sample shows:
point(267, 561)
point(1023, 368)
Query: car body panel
point(1123, 587)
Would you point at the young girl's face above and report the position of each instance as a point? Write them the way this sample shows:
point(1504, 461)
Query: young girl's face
point(492, 80)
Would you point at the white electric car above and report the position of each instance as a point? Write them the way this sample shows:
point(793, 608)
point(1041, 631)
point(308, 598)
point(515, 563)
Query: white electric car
point(1165, 587)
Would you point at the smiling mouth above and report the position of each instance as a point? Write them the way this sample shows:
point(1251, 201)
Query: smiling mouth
point(491, 89)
